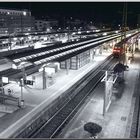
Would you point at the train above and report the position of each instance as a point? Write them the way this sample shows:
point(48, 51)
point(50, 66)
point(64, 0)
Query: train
point(118, 50)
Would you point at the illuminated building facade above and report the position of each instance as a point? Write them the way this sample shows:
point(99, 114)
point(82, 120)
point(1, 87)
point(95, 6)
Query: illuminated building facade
point(14, 21)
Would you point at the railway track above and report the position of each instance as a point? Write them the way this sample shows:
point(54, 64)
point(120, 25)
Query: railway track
point(17, 74)
point(54, 125)
point(135, 127)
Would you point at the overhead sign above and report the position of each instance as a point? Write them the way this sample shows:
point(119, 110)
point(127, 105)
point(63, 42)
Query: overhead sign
point(5, 80)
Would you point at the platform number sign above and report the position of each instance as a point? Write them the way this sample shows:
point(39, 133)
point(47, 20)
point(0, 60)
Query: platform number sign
point(28, 82)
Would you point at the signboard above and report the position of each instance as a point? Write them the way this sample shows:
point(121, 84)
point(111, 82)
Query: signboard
point(28, 82)
point(5, 80)
point(109, 80)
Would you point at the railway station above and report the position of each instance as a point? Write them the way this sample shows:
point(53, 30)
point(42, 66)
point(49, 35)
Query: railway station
point(71, 83)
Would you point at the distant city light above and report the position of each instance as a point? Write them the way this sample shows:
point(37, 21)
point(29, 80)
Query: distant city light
point(8, 13)
point(79, 32)
point(97, 30)
point(24, 13)
point(26, 33)
point(15, 38)
point(116, 32)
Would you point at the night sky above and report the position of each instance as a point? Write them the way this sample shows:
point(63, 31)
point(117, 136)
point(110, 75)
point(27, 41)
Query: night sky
point(106, 12)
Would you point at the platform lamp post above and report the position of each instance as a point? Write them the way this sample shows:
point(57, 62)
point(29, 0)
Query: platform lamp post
point(44, 75)
point(21, 66)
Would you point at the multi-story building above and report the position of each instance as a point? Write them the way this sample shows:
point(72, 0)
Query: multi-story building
point(13, 21)
point(43, 25)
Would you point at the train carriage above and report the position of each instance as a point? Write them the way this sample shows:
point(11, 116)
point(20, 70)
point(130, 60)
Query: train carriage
point(118, 50)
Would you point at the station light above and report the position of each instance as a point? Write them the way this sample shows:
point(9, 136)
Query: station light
point(15, 38)
point(97, 30)
point(26, 33)
point(104, 34)
point(116, 32)
point(128, 35)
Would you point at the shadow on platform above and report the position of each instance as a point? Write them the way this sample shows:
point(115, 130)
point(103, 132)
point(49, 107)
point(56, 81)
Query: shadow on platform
point(118, 88)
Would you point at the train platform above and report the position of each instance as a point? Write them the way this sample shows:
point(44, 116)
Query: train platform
point(34, 96)
point(118, 120)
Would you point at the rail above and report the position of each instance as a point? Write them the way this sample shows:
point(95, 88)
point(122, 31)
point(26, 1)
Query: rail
point(52, 127)
point(32, 116)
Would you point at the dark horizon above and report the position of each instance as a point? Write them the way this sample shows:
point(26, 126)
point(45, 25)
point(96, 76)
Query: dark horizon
point(105, 12)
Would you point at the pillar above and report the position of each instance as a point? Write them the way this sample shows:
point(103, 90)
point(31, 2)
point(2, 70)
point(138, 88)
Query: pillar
point(44, 78)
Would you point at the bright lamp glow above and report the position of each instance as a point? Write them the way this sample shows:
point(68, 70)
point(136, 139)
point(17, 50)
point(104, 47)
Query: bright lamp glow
point(50, 71)
point(104, 34)
point(24, 13)
point(128, 35)
point(15, 38)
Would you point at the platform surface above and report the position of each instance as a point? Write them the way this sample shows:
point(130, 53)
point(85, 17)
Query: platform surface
point(117, 121)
